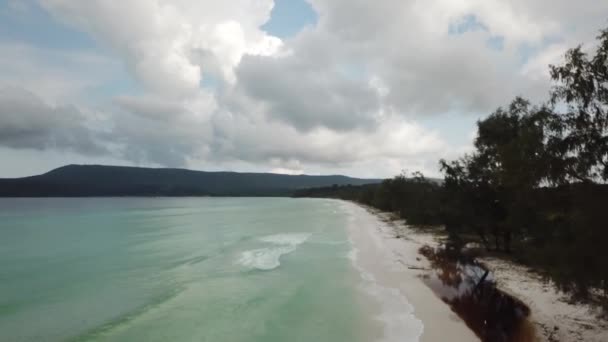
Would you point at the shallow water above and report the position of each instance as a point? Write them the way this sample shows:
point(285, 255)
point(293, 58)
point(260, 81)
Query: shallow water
point(187, 269)
point(471, 292)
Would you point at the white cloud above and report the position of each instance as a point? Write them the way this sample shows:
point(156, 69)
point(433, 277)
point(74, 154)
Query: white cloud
point(345, 95)
point(158, 38)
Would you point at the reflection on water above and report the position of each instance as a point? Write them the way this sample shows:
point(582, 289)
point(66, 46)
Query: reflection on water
point(470, 291)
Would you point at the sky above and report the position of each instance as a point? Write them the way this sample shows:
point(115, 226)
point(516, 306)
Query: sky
point(357, 87)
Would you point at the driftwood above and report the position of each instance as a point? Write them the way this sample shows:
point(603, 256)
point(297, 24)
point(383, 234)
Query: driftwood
point(418, 268)
point(483, 278)
point(412, 267)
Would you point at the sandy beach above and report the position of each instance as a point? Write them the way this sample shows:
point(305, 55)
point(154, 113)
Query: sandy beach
point(396, 266)
point(555, 317)
point(390, 252)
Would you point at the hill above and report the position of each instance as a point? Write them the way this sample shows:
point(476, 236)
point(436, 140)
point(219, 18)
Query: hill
point(98, 180)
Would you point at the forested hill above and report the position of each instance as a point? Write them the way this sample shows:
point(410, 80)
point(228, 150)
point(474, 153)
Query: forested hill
point(97, 180)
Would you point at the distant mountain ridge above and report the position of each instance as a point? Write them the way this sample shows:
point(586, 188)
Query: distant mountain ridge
point(100, 180)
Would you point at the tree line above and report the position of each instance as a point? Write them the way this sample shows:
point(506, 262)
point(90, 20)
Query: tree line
point(535, 186)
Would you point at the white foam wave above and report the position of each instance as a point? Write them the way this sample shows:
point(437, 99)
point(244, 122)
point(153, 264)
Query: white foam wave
point(397, 313)
point(286, 239)
point(267, 259)
point(264, 259)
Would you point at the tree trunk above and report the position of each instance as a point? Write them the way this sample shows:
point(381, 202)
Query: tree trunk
point(496, 239)
point(507, 240)
point(483, 278)
point(484, 240)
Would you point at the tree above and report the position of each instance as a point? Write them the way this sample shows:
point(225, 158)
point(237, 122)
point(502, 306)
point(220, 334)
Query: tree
point(494, 184)
point(581, 133)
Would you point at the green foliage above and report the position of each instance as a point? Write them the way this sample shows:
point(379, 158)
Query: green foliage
point(535, 181)
point(414, 198)
point(581, 130)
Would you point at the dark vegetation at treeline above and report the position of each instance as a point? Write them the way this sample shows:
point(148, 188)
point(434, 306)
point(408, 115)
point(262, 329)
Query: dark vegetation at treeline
point(535, 186)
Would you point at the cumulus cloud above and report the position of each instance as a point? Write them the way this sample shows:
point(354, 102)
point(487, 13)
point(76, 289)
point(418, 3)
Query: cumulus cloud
point(306, 95)
point(28, 122)
point(157, 39)
point(146, 136)
point(411, 49)
point(348, 94)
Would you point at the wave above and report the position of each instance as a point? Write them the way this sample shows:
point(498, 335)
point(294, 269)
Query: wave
point(286, 239)
point(105, 330)
point(191, 261)
point(396, 314)
point(266, 259)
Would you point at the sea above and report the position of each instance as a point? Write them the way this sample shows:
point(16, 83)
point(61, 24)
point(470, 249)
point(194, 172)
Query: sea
point(182, 269)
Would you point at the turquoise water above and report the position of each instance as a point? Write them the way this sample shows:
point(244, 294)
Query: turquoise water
point(177, 269)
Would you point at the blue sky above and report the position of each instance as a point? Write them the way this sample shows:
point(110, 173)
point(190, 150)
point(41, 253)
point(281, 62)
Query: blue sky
point(288, 17)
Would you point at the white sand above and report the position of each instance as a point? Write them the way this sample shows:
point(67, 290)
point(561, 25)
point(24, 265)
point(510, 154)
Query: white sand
point(555, 318)
point(391, 268)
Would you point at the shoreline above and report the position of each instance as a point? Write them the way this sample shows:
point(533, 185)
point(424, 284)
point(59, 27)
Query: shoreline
point(554, 317)
point(390, 269)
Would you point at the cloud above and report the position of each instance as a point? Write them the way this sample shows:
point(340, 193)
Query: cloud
point(150, 107)
point(54, 75)
point(28, 122)
point(349, 94)
point(408, 49)
point(147, 137)
point(253, 139)
point(308, 96)
point(157, 39)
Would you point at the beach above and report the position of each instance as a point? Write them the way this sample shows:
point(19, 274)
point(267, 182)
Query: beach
point(396, 266)
point(389, 249)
